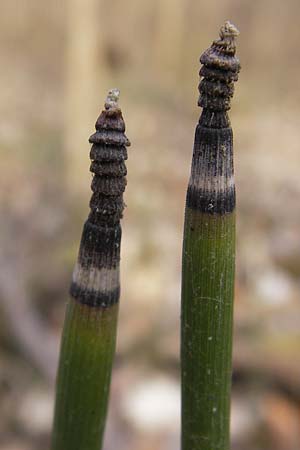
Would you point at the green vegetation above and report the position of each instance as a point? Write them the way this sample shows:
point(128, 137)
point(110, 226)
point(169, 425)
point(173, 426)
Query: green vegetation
point(208, 261)
point(89, 337)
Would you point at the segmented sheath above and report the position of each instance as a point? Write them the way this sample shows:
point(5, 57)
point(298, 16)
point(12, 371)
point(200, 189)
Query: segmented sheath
point(96, 274)
point(211, 188)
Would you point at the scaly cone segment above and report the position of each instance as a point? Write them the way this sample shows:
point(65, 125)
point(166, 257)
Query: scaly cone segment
point(108, 154)
point(220, 71)
point(96, 275)
point(211, 188)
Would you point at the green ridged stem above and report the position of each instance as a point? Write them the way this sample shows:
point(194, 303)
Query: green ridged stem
point(206, 330)
point(208, 260)
point(90, 327)
point(87, 351)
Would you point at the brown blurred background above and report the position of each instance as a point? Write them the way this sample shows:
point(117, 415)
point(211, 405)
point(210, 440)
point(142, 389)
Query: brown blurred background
point(58, 60)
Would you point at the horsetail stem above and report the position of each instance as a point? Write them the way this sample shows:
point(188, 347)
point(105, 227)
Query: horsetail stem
point(89, 335)
point(208, 261)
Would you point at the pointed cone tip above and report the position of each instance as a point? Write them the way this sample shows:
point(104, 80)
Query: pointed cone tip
point(112, 98)
point(228, 30)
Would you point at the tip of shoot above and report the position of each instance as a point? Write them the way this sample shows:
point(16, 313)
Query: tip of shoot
point(228, 31)
point(112, 99)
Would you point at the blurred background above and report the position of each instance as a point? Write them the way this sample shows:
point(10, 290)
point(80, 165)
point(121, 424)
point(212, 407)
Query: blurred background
point(59, 59)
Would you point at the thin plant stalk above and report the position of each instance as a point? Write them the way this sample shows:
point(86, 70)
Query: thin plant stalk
point(208, 262)
point(89, 335)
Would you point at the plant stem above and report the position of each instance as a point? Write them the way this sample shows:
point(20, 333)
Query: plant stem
point(89, 336)
point(209, 258)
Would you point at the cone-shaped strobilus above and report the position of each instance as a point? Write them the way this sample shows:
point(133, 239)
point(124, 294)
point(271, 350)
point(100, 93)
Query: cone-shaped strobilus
point(209, 258)
point(89, 335)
